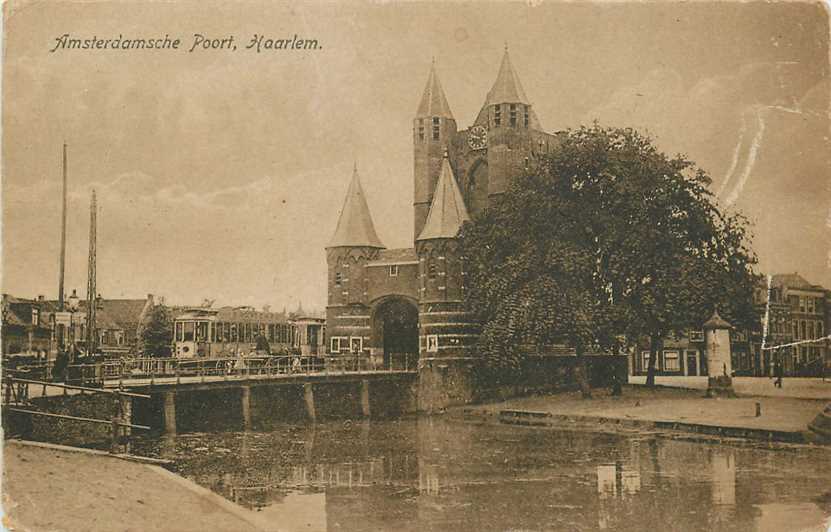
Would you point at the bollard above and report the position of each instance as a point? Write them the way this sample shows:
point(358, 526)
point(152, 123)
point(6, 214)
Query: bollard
point(758, 409)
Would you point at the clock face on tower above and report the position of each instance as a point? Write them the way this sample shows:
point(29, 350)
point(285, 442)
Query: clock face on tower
point(477, 138)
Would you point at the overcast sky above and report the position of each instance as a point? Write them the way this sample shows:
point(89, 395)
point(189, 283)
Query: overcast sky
point(221, 174)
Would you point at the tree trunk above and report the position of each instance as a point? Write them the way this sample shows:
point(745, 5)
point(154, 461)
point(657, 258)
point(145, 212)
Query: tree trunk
point(582, 373)
point(655, 347)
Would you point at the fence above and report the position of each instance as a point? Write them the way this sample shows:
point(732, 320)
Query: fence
point(18, 400)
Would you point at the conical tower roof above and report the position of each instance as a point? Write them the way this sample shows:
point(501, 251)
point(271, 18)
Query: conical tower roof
point(355, 226)
point(447, 211)
point(433, 101)
point(716, 322)
point(507, 89)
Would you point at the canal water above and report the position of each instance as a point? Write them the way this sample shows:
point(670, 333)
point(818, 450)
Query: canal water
point(441, 474)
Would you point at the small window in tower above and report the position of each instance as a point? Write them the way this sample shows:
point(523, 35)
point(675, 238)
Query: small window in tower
point(394, 270)
point(421, 129)
point(513, 115)
point(435, 128)
point(526, 118)
point(497, 116)
point(338, 278)
point(431, 270)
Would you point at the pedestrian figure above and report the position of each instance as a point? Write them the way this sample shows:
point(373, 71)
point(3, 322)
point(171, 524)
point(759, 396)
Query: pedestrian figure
point(616, 388)
point(779, 372)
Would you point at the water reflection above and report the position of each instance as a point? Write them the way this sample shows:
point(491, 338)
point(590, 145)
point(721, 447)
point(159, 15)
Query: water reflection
point(432, 474)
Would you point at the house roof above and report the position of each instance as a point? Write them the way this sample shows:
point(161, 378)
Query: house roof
point(793, 280)
point(447, 210)
point(433, 101)
point(355, 226)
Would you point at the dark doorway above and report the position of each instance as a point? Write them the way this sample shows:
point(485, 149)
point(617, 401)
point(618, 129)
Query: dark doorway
point(395, 327)
point(692, 363)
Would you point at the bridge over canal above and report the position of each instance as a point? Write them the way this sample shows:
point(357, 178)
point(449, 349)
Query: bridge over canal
point(245, 391)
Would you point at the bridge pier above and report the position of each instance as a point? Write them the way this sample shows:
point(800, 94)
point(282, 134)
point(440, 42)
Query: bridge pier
point(245, 403)
point(309, 397)
point(365, 397)
point(169, 412)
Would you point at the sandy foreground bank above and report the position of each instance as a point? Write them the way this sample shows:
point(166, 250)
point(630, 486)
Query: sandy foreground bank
point(45, 489)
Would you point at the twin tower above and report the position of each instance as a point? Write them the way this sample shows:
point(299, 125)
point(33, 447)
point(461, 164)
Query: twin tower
point(406, 305)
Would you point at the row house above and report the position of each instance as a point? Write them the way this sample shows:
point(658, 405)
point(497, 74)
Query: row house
point(798, 312)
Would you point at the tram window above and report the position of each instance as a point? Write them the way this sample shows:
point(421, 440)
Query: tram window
point(179, 332)
point(226, 331)
point(217, 337)
point(189, 329)
point(247, 332)
point(201, 331)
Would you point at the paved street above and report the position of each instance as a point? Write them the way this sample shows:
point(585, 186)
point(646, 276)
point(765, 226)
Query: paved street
point(802, 388)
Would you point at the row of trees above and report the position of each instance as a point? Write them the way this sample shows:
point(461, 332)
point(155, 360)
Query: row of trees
point(605, 237)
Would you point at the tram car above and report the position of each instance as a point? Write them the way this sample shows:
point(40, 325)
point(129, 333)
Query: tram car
point(229, 332)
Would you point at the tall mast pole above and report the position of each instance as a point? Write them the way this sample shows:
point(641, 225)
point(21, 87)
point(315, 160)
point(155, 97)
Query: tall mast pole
point(91, 274)
point(63, 239)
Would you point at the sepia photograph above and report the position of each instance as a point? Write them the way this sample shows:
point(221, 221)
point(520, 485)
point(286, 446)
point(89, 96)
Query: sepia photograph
point(505, 266)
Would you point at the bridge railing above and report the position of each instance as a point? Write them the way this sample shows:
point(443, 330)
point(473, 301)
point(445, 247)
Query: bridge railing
point(154, 368)
point(17, 395)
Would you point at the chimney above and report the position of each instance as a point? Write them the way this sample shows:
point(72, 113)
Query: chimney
point(41, 298)
point(150, 298)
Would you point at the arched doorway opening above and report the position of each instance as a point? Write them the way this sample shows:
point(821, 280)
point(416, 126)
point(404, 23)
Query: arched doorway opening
point(395, 329)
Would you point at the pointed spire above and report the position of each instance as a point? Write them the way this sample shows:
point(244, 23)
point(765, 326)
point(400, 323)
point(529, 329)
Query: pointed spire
point(507, 87)
point(433, 102)
point(355, 226)
point(447, 211)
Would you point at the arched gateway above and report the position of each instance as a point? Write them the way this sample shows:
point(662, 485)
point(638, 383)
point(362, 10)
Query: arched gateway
point(395, 329)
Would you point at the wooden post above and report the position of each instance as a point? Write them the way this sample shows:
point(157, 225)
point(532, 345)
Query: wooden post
point(308, 395)
point(365, 397)
point(114, 423)
point(245, 403)
point(169, 412)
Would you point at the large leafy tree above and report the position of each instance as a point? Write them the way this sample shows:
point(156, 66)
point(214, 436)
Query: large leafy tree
point(603, 236)
point(156, 334)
